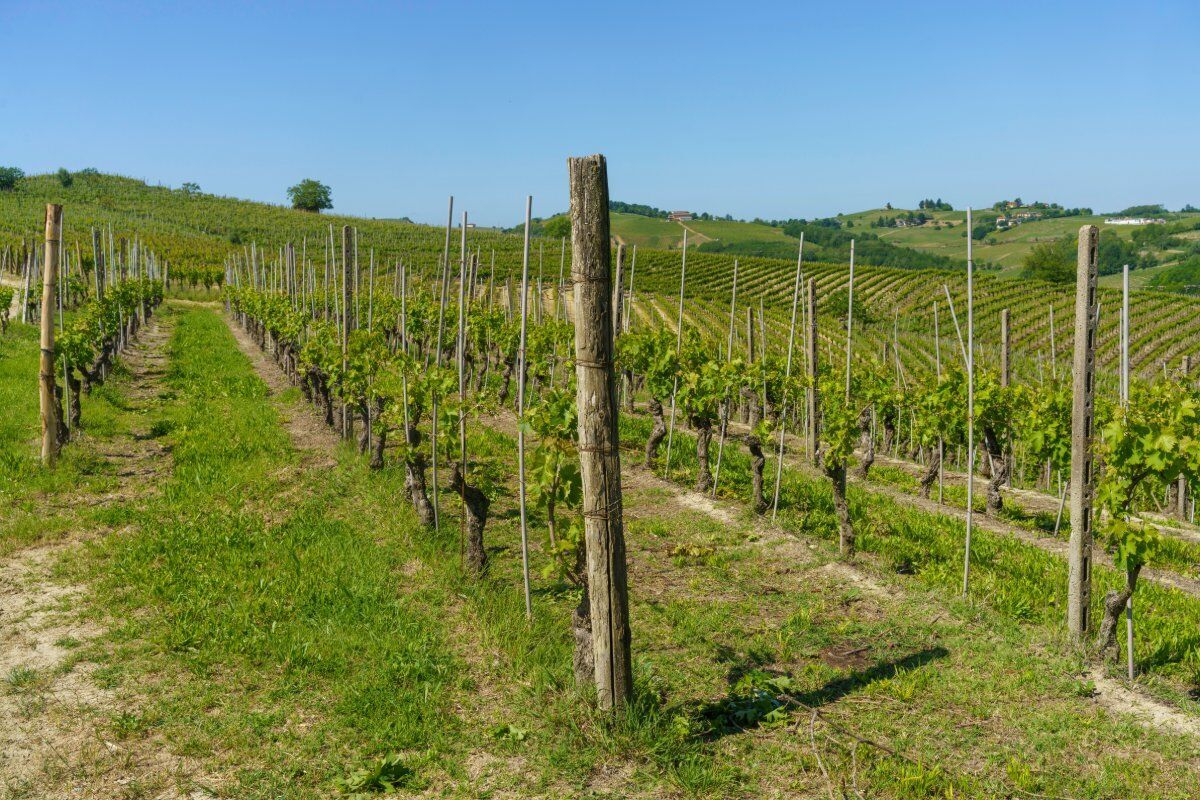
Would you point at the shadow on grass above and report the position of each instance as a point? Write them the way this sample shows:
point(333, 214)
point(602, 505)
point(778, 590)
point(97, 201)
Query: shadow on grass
point(759, 697)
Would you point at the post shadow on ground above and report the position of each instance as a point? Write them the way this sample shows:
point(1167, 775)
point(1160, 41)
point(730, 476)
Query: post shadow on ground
point(765, 703)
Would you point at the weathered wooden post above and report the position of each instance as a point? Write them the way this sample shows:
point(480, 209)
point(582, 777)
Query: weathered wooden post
point(48, 402)
point(599, 455)
point(1079, 578)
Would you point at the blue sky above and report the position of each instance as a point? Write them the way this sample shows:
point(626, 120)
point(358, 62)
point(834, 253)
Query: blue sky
point(773, 110)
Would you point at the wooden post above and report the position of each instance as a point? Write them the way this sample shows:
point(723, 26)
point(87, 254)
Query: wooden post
point(599, 453)
point(1079, 580)
point(48, 402)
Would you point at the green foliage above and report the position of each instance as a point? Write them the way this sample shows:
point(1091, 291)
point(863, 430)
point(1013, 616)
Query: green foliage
point(1051, 261)
point(65, 178)
point(383, 775)
point(9, 177)
point(1043, 423)
point(557, 227)
point(310, 195)
point(1143, 448)
point(553, 478)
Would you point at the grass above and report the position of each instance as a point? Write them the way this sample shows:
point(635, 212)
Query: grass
point(39, 503)
point(287, 626)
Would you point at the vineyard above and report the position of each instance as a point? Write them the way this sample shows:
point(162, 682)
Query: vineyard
point(378, 506)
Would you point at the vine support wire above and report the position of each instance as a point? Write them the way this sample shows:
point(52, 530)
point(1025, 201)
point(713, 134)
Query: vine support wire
point(970, 407)
point(461, 348)
point(521, 409)
point(849, 320)
point(1125, 410)
point(445, 277)
point(629, 307)
point(787, 376)
point(728, 399)
point(937, 358)
point(678, 352)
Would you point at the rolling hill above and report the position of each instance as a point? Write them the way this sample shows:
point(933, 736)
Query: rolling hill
point(897, 304)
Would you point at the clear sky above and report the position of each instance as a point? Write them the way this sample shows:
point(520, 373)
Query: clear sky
point(773, 110)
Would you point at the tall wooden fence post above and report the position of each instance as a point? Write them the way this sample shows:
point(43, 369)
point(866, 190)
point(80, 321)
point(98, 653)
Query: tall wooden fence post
point(1079, 579)
point(49, 404)
point(599, 455)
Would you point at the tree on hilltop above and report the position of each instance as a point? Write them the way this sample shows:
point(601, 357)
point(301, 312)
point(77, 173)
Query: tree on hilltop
point(310, 195)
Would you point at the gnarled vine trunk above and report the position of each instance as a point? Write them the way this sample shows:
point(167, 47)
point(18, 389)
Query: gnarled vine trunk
point(866, 442)
point(476, 503)
point(704, 479)
point(757, 462)
point(380, 441)
point(837, 476)
point(929, 477)
point(1114, 603)
point(998, 472)
point(657, 433)
point(414, 476)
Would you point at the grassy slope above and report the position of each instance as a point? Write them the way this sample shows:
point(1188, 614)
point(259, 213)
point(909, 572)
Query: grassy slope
point(296, 623)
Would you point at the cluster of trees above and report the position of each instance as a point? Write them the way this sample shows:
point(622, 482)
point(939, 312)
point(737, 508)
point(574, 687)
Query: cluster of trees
point(827, 240)
point(1146, 210)
point(1055, 261)
point(934, 205)
point(9, 177)
point(643, 210)
point(1183, 278)
point(1048, 210)
point(909, 217)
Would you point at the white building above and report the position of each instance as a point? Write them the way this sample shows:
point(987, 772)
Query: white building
point(1134, 221)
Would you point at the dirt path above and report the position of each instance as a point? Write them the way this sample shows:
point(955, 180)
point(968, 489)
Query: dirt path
point(53, 737)
point(14, 312)
point(315, 440)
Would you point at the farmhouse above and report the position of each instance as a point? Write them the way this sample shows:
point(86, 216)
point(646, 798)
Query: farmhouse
point(680, 216)
point(1135, 221)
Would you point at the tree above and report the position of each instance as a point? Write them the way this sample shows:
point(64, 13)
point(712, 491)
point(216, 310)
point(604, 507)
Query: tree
point(310, 195)
point(9, 177)
point(557, 227)
point(190, 188)
point(1052, 261)
point(64, 177)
